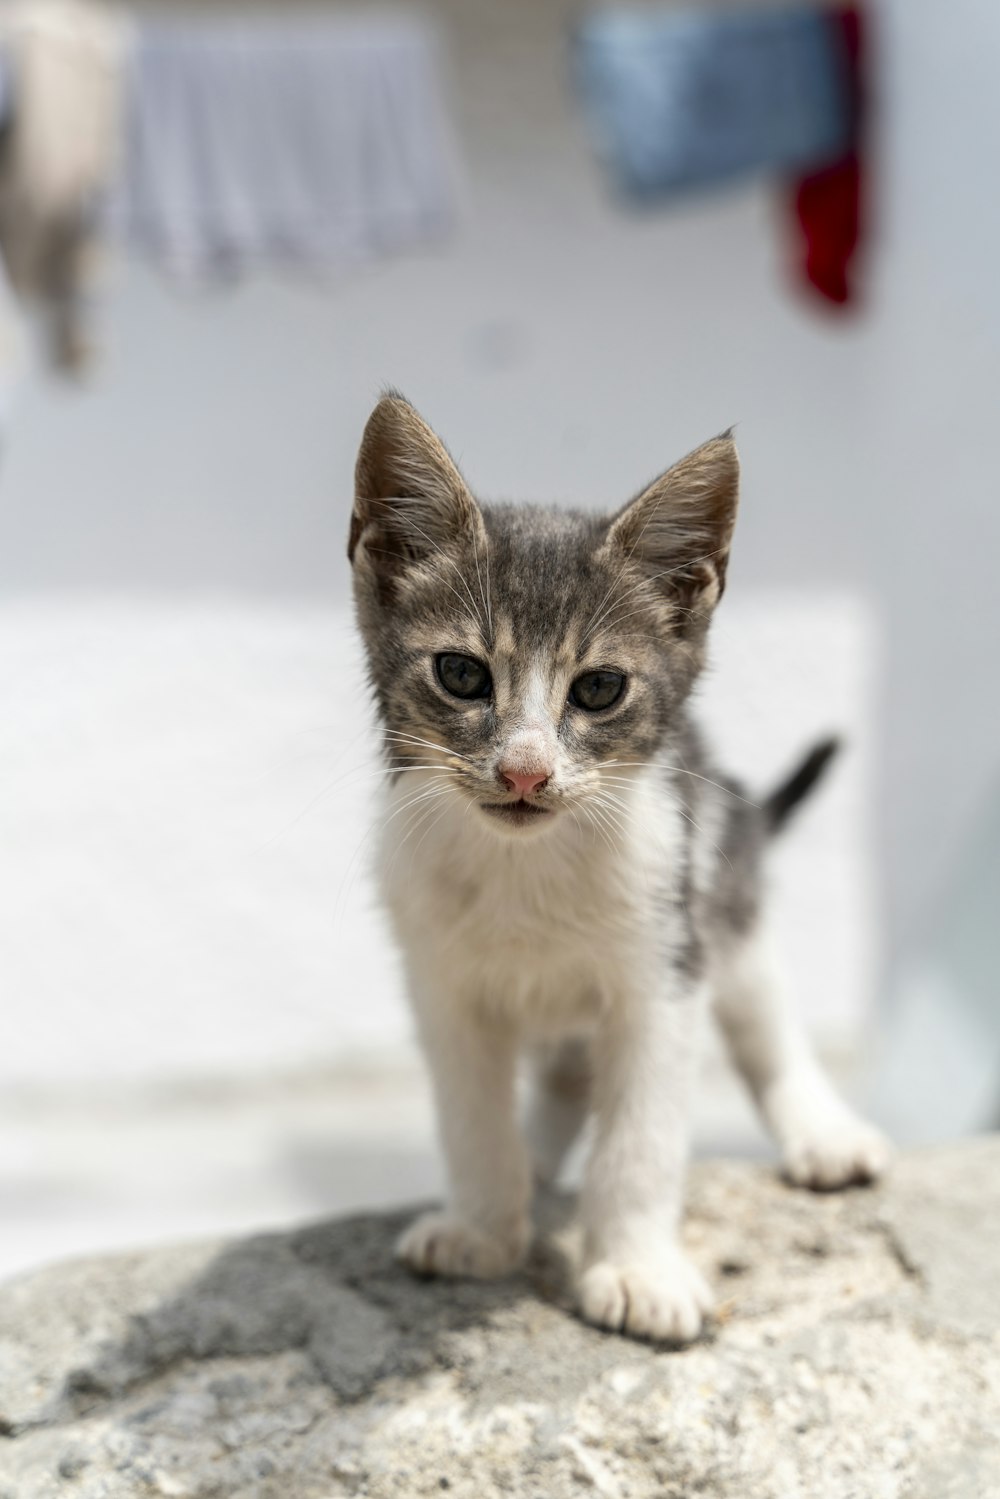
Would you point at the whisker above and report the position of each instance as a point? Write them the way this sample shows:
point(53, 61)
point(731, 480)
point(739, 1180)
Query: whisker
point(605, 820)
point(380, 823)
point(665, 573)
point(698, 828)
point(601, 797)
point(412, 801)
point(573, 812)
point(616, 623)
point(312, 754)
point(429, 743)
point(610, 799)
point(628, 558)
point(618, 813)
point(417, 817)
point(685, 814)
point(616, 603)
point(409, 522)
point(332, 786)
point(396, 770)
point(595, 827)
point(481, 593)
point(475, 618)
point(431, 826)
point(680, 770)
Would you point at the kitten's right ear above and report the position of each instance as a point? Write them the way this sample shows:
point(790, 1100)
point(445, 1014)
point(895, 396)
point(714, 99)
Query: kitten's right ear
point(680, 528)
point(409, 498)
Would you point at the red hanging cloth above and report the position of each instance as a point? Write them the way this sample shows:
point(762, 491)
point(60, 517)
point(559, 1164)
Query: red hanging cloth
point(829, 203)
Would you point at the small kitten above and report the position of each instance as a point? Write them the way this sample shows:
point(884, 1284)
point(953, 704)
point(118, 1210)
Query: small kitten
point(567, 875)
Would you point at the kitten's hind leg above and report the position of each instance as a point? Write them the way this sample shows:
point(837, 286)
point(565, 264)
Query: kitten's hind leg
point(559, 1101)
point(824, 1143)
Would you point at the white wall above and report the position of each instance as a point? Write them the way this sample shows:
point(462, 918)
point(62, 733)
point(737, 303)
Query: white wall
point(567, 350)
point(938, 381)
point(189, 820)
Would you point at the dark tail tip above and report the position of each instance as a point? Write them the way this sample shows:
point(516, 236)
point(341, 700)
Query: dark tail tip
point(781, 803)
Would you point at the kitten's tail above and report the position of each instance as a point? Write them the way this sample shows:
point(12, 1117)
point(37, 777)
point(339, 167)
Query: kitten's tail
point(778, 807)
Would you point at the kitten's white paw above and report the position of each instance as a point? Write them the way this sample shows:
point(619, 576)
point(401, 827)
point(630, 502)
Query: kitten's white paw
point(836, 1152)
point(665, 1299)
point(443, 1244)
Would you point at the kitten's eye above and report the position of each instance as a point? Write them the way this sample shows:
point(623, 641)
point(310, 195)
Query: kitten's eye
point(463, 676)
point(597, 689)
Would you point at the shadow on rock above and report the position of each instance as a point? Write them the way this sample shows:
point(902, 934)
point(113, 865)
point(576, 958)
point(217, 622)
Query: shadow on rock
point(334, 1291)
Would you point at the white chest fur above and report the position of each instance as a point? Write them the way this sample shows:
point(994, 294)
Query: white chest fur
point(546, 927)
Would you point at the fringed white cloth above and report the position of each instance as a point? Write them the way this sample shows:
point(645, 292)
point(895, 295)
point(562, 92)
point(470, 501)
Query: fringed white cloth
point(308, 145)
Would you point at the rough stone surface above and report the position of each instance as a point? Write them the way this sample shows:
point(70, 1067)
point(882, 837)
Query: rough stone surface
point(856, 1353)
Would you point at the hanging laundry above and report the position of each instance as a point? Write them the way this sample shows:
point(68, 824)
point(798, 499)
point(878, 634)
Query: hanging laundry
point(10, 319)
point(309, 145)
point(685, 99)
point(65, 61)
point(829, 202)
point(6, 92)
point(13, 351)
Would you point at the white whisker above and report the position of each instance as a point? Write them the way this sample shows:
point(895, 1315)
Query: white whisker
point(481, 591)
point(607, 619)
point(595, 826)
point(614, 583)
point(428, 743)
point(474, 617)
point(680, 770)
point(409, 522)
point(418, 816)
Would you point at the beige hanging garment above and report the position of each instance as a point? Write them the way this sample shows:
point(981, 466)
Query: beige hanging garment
point(59, 155)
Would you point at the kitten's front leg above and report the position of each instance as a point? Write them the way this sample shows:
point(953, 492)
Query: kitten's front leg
point(485, 1229)
point(636, 1277)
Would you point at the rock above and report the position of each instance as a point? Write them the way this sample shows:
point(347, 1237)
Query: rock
point(856, 1352)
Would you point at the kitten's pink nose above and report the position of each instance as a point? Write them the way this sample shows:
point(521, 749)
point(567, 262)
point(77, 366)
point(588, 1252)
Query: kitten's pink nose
point(524, 784)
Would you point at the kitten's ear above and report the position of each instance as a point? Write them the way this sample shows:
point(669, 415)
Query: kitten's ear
point(409, 498)
point(679, 529)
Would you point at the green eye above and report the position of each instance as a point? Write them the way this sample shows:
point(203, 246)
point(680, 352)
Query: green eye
point(595, 690)
point(463, 676)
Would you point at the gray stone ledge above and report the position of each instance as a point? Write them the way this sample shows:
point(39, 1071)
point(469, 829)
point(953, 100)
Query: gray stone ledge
point(856, 1353)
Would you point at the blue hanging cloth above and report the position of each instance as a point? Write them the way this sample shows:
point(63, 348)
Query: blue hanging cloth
point(680, 100)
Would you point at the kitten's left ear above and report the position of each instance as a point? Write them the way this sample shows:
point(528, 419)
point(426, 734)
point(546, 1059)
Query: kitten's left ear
point(679, 530)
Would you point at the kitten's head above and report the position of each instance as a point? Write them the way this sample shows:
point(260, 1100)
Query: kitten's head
point(534, 656)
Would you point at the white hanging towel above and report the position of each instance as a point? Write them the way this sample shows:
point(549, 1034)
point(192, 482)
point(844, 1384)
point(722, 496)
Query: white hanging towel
point(310, 145)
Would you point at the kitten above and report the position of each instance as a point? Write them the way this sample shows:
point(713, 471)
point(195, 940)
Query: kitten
point(566, 873)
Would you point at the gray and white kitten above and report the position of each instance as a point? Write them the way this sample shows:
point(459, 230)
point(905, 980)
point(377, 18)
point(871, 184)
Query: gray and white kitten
point(567, 875)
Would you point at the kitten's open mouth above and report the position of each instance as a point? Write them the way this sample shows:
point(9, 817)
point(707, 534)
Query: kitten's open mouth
point(515, 812)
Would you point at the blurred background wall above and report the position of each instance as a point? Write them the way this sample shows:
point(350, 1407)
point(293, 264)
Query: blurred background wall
point(569, 350)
